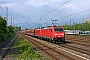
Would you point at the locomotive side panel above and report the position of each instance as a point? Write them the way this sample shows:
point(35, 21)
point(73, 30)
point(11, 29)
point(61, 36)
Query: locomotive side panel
point(37, 32)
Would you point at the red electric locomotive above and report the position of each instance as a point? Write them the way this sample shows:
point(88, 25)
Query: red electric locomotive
point(53, 33)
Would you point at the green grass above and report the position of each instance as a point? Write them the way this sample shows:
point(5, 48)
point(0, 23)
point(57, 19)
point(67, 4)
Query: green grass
point(26, 51)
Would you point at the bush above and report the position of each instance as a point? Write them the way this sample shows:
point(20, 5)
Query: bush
point(26, 49)
point(5, 36)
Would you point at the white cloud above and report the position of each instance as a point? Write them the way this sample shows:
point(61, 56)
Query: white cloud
point(30, 8)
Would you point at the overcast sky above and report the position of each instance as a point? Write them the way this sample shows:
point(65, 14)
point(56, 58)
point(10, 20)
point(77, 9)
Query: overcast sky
point(31, 13)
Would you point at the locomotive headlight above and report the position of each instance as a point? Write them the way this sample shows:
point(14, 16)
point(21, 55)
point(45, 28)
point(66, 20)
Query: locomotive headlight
point(55, 34)
point(62, 34)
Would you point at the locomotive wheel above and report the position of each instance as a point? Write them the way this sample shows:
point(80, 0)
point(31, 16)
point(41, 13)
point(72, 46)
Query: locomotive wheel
point(54, 41)
point(51, 40)
point(63, 40)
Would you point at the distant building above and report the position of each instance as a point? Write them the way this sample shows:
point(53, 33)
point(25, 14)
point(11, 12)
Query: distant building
point(86, 20)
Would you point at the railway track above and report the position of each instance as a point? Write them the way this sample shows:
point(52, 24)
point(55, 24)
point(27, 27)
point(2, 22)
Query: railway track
point(5, 47)
point(84, 51)
point(46, 48)
point(82, 39)
point(79, 43)
point(59, 52)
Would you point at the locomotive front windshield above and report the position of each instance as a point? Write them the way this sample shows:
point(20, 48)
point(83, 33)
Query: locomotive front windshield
point(58, 29)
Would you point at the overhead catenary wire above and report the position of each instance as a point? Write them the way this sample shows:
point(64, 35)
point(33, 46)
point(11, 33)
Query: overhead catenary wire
point(2, 9)
point(45, 6)
point(6, 11)
point(4, 3)
point(5, 6)
point(29, 6)
point(70, 6)
point(48, 3)
point(77, 3)
point(59, 16)
point(75, 13)
point(54, 9)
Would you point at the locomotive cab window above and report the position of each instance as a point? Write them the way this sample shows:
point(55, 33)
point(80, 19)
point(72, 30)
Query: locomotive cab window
point(58, 29)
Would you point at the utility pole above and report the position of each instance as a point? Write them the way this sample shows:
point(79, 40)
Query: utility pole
point(40, 18)
point(7, 15)
point(74, 25)
point(11, 21)
point(70, 24)
point(66, 25)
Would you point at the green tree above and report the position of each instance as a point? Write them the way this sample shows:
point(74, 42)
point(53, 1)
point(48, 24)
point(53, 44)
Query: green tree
point(78, 26)
point(2, 28)
point(5, 31)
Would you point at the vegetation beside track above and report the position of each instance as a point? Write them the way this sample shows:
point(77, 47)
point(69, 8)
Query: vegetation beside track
point(26, 50)
point(78, 26)
point(6, 32)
